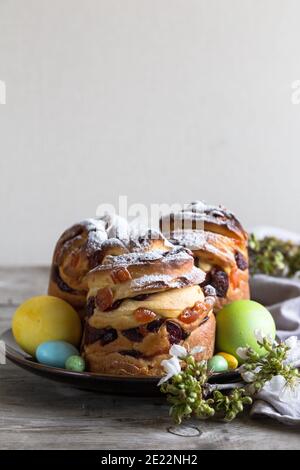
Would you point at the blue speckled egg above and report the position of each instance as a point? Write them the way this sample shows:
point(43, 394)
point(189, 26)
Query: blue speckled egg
point(55, 353)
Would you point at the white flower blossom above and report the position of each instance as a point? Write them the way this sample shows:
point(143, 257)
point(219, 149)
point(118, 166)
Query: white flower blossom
point(293, 355)
point(172, 367)
point(249, 376)
point(279, 387)
point(290, 392)
point(178, 351)
point(260, 336)
point(197, 350)
point(242, 353)
point(291, 342)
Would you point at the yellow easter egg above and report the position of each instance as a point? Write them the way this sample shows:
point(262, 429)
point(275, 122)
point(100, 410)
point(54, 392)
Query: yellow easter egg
point(45, 318)
point(231, 360)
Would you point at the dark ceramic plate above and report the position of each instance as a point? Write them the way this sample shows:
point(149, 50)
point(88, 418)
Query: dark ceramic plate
point(116, 385)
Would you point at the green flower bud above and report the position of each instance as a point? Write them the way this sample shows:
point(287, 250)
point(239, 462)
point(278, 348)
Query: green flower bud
point(247, 400)
point(188, 410)
point(190, 400)
point(178, 378)
point(239, 406)
point(190, 360)
point(230, 416)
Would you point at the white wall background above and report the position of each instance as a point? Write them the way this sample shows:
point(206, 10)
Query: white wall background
point(162, 100)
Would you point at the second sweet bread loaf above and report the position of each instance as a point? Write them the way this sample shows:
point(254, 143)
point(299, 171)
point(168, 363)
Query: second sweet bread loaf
point(219, 245)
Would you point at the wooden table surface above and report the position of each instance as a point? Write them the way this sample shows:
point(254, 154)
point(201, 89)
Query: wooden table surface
point(36, 413)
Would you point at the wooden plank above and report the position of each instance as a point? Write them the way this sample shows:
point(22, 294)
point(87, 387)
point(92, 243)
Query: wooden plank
point(18, 284)
point(39, 414)
point(6, 313)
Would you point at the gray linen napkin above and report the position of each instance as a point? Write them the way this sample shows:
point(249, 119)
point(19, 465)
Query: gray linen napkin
point(282, 298)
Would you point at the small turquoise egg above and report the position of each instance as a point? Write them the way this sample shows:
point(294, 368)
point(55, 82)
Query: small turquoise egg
point(75, 364)
point(55, 353)
point(217, 364)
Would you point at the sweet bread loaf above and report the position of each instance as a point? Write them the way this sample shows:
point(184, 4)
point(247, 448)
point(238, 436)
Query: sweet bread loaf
point(219, 245)
point(139, 304)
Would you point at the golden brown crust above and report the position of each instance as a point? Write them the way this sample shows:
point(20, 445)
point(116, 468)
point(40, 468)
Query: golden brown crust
point(201, 216)
point(237, 290)
point(125, 334)
point(127, 314)
point(76, 252)
point(139, 273)
point(112, 359)
point(85, 245)
point(74, 297)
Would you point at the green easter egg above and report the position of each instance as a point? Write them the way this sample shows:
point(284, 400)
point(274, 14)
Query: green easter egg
point(217, 364)
point(236, 324)
point(75, 364)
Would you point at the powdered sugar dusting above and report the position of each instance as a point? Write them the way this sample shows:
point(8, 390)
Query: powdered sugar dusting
point(202, 207)
point(192, 239)
point(196, 211)
point(97, 223)
point(152, 281)
point(195, 216)
point(95, 240)
point(137, 258)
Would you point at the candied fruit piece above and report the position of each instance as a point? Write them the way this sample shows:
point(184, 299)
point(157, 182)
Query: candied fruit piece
point(104, 299)
point(144, 315)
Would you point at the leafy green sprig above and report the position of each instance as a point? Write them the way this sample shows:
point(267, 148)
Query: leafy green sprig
point(231, 405)
point(273, 256)
point(258, 370)
point(190, 394)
